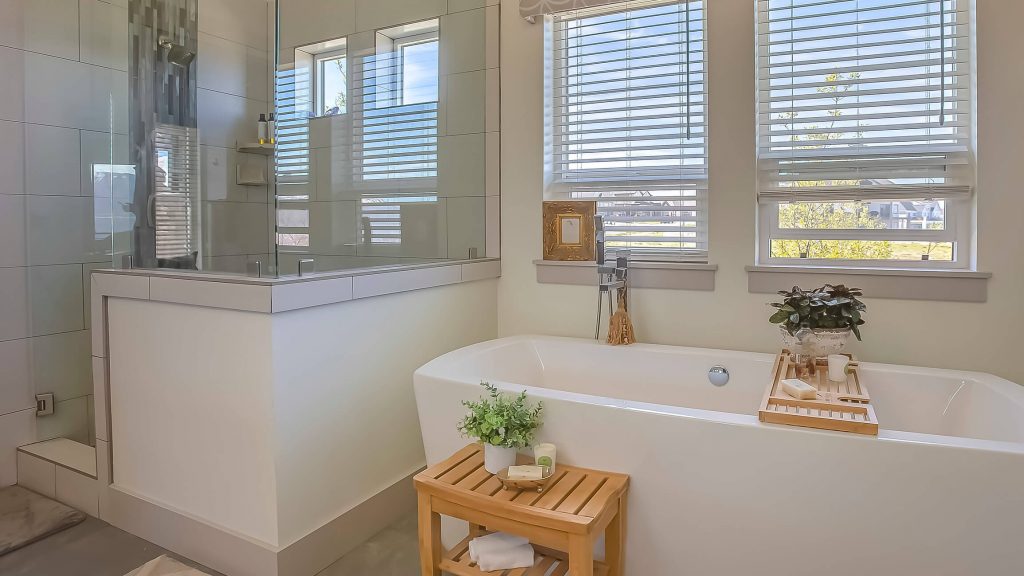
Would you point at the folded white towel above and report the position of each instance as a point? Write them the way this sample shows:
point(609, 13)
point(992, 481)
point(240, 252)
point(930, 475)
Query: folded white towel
point(500, 551)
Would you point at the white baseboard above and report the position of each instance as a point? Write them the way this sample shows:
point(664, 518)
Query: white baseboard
point(237, 555)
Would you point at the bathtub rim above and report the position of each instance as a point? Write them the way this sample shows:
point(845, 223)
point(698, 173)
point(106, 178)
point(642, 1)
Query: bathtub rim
point(435, 370)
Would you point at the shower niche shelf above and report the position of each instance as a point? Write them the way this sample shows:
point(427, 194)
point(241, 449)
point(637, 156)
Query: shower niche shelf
point(256, 148)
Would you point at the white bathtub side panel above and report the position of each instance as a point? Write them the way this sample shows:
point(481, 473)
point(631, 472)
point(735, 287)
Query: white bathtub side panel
point(713, 498)
point(191, 411)
point(345, 409)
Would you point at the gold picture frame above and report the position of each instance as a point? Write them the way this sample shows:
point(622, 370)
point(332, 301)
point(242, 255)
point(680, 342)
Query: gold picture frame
point(569, 231)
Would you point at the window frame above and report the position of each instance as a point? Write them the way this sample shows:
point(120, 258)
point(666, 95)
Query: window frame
point(956, 231)
point(400, 44)
point(556, 88)
point(318, 78)
point(959, 224)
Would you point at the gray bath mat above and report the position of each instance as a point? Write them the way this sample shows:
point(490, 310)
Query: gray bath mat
point(26, 517)
point(165, 566)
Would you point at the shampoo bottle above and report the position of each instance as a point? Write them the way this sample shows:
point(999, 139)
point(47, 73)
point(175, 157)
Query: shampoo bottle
point(271, 128)
point(261, 129)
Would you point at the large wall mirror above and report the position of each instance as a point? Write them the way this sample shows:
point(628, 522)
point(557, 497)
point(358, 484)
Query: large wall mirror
point(388, 133)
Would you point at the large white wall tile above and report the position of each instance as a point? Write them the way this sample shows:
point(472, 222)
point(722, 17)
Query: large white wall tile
point(466, 227)
point(57, 296)
point(212, 294)
point(104, 34)
point(463, 42)
point(14, 305)
point(69, 420)
point(460, 5)
point(52, 160)
point(243, 21)
point(333, 227)
point(373, 14)
point(12, 153)
point(232, 228)
point(65, 230)
point(98, 150)
point(226, 119)
point(222, 65)
point(465, 108)
point(218, 181)
point(71, 94)
point(36, 474)
point(61, 364)
point(16, 429)
point(46, 26)
point(12, 230)
point(78, 491)
point(16, 387)
point(462, 165)
point(51, 27)
point(12, 89)
point(257, 74)
point(404, 280)
point(309, 21)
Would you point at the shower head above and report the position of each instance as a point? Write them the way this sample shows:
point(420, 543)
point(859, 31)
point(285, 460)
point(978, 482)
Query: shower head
point(177, 54)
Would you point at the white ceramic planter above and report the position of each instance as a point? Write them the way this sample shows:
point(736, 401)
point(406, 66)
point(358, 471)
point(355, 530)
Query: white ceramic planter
point(497, 458)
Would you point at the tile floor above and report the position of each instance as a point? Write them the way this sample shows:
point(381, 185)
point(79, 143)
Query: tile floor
point(95, 548)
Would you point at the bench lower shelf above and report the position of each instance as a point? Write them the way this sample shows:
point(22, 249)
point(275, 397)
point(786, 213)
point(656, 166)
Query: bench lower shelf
point(546, 561)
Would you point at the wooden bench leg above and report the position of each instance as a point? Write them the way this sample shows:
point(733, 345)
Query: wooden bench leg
point(615, 541)
point(429, 537)
point(581, 556)
point(475, 530)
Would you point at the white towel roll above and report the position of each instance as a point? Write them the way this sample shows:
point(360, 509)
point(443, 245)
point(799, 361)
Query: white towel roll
point(500, 551)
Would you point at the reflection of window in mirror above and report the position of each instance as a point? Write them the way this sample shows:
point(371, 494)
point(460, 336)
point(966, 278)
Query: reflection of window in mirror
point(331, 90)
point(407, 61)
point(417, 69)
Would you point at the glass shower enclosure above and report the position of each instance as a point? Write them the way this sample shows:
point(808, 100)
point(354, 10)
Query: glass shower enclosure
point(379, 156)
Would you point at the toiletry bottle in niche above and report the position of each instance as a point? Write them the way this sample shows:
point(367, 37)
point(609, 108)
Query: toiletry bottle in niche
point(271, 129)
point(261, 129)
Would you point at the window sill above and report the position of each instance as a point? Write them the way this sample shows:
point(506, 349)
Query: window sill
point(924, 284)
point(656, 275)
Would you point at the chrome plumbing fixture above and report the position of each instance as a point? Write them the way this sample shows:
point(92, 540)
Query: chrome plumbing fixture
point(610, 278)
point(718, 376)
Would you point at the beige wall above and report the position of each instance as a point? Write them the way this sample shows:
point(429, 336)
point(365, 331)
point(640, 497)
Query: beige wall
point(952, 335)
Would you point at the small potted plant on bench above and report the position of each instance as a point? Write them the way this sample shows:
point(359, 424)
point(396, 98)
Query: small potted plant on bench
point(819, 322)
point(504, 423)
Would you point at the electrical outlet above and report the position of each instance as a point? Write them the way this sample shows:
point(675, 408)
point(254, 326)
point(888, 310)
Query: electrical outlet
point(44, 404)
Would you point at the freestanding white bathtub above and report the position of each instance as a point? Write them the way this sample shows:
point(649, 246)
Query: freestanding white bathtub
point(714, 492)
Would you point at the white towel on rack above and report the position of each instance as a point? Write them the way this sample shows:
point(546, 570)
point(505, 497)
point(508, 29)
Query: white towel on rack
point(500, 551)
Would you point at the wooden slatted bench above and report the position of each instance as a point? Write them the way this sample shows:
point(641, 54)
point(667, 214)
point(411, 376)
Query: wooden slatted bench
point(562, 521)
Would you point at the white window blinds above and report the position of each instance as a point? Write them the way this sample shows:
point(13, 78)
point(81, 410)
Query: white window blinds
point(628, 121)
point(863, 99)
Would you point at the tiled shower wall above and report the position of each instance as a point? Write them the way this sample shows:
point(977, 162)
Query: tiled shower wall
point(233, 90)
point(63, 92)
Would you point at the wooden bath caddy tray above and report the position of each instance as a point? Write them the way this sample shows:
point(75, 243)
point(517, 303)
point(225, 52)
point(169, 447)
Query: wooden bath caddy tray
point(841, 406)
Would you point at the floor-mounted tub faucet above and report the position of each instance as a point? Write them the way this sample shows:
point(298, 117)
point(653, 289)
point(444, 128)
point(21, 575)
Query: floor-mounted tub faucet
point(610, 277)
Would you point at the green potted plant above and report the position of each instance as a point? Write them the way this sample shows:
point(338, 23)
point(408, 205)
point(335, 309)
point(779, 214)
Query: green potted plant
point(819, 322)
point(504, 423)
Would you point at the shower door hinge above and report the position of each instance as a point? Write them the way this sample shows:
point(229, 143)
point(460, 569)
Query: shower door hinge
point(44, 404)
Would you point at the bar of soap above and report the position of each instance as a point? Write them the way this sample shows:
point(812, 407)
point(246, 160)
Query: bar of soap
point(799, 389)
point(526, 472)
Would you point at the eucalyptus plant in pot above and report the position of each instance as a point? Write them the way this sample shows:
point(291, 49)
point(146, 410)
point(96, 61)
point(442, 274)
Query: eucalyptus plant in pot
point(819, 322)
point(504, 423)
